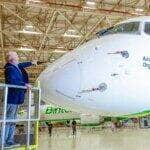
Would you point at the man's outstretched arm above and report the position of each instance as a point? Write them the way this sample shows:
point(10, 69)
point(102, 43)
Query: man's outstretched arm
point(27, 64)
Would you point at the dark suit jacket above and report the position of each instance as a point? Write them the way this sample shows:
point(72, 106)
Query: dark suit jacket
point(16, 76)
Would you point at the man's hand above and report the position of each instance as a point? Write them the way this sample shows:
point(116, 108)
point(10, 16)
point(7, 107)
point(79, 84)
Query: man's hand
point(28, 86)
point(34, 62)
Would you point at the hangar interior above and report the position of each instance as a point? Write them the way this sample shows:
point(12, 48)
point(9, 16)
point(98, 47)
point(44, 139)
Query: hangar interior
point(45, 30)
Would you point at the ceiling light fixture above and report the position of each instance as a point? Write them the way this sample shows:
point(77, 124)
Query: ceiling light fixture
point(52, 59)
point(28, 32)
point(71, 35)
point(90, 3)
point(139, 10)
point(60, 47)
point(29, 27)
point(26, 49)
point(34, 1)
point(71, 30)
point(59, 51)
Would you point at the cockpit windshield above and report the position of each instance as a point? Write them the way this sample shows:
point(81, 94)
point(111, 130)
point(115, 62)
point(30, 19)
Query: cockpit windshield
point(129, 28)
point(147, 28)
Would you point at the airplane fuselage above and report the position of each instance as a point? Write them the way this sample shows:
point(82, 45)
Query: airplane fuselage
point(109, 75)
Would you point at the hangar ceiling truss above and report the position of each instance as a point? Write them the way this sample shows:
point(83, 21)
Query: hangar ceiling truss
point(46, 29)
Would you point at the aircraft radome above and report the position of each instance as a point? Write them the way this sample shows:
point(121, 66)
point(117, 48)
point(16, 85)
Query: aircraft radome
point(108, 75)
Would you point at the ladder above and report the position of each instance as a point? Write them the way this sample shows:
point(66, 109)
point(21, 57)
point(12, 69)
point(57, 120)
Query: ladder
point(33, 101)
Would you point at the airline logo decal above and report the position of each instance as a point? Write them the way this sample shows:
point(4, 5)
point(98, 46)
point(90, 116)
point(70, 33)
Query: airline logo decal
point(55, 110)
point(146, 62)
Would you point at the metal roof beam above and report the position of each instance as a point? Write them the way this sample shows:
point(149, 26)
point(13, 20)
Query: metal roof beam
point(75, 8)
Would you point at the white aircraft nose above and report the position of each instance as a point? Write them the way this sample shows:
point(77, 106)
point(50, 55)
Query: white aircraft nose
point(65, 80)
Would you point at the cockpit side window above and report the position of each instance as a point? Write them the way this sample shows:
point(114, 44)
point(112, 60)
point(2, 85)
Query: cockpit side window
point(130, 28)
point(147, 28)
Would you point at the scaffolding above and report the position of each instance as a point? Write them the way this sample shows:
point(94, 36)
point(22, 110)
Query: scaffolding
point(32, 101)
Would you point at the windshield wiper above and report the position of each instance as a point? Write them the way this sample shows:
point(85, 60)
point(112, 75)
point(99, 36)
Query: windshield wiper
point(104, 32)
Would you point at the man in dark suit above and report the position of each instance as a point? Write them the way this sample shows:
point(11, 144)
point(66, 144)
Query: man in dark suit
point(15, 74)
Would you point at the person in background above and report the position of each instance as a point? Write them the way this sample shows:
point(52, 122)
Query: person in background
point(50, 127)
point(15, 74)
point(114, 126)
point(68, 123)
point(74, 125)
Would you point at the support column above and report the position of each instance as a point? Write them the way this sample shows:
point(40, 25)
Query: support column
point(1, 37)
